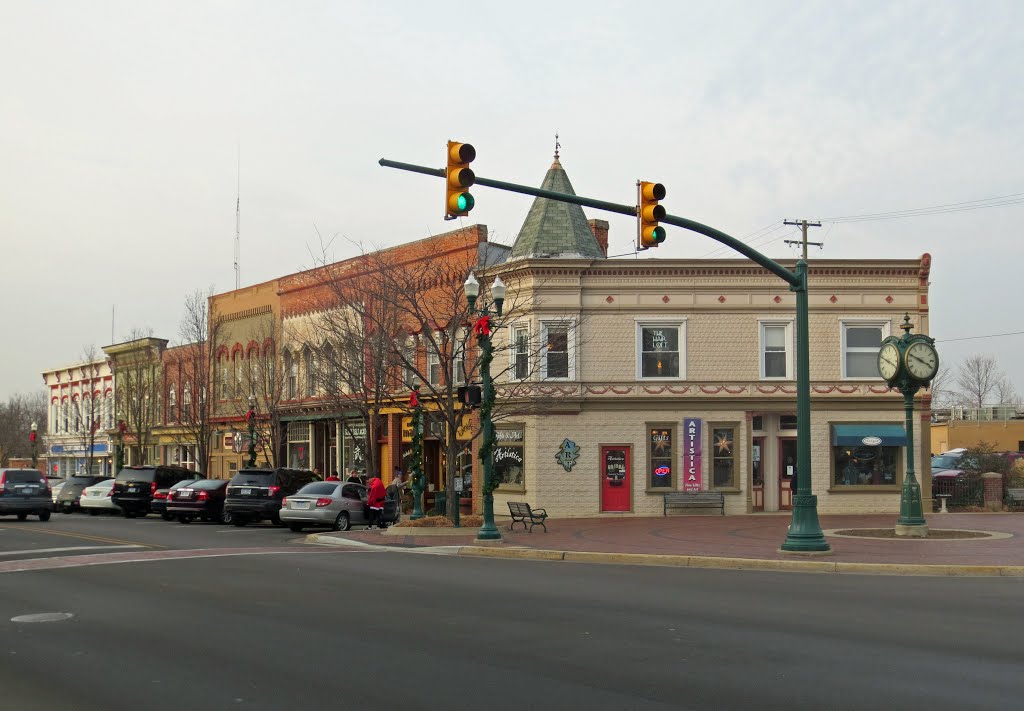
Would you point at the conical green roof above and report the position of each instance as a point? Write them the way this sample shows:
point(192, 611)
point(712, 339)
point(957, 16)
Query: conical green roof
point(556, 229)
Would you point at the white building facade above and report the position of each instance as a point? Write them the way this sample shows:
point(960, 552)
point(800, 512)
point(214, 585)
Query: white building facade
point(79, 417)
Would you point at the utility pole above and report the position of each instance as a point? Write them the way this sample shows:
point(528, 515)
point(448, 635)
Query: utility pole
point(803, 224)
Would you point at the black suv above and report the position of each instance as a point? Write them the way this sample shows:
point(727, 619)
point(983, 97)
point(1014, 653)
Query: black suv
point(71, 492)
point(24, 492)
point(255, 494)
point(134, 487)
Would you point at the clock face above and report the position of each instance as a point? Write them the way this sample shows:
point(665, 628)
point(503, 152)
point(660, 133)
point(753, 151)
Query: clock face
point(922, 361)
point(888, 361)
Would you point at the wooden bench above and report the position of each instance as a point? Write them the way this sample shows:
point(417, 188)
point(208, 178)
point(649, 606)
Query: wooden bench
point(685, 500)
point(521, 513)
point(1014, 497)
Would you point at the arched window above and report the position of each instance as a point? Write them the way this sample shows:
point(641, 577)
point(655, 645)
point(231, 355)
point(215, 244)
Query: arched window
point(239, 368)
point(76, 415)
point(291, 369)
point(186, 399)
point(331, 363)
point(225, 381)
point(309, 363)
point(172, 404)
point(108, 414)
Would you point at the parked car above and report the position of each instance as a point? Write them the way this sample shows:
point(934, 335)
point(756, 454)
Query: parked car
point(97, 499)
point(947, 464)
point(159, 503)
point(134, 486)
point(256, 494)
point(325, 503)
point(71, 491)
point(24, 492)
point(202, 499)
point(56, 484)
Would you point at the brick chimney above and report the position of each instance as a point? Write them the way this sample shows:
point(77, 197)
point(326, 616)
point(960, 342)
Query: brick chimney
point(600, 230)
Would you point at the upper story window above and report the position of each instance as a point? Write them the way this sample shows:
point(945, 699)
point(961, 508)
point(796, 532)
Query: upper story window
point(433, 366)
point(861, 341)
point(776, 353)
point(309, 362)
point(520, 354)
point(558, 356)
point(225, 382)
point(291, 369)
point(661, 350)
point(459, 358)
point(172, 403)
point(186, 398)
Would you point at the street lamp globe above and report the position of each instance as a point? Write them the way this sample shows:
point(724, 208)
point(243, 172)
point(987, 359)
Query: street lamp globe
point(34, 426)
point(498, 293)
point(252, 402)
point(472, 286)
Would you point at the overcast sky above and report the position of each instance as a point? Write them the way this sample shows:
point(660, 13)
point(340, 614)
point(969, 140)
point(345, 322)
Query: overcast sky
point(121, 126)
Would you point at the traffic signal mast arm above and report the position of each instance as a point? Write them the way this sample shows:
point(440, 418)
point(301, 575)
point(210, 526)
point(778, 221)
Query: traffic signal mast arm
point(774, 267)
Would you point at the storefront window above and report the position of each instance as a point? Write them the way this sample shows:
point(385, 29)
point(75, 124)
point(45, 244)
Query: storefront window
point(661, 474)
point(865, 466)
point(509, 457)
point(353, 437)
point(723, 453)
point(298, 445)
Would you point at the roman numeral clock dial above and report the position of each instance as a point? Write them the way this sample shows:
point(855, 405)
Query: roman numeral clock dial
point(921, 361)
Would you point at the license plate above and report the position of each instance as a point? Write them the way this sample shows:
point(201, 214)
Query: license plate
point(301, 504)
point(133, 489)
point(246, 492)
point(183, 494)
point(94, 493)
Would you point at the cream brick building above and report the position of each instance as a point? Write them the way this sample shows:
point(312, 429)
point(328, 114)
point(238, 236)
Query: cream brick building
point(625, 358)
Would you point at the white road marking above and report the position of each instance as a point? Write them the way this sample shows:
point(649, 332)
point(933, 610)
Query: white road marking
point(43, 617)
point(64, 550)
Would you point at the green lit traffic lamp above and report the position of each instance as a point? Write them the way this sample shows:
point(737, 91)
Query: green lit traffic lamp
point(459, 177)
point(648, 213)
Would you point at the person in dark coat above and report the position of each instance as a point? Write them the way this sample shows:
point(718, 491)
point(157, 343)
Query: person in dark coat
point(375, 501)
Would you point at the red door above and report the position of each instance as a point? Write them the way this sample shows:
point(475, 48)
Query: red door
point(615, 479)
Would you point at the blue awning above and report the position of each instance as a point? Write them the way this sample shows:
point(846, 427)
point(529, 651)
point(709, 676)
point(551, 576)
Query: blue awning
point(869, 435)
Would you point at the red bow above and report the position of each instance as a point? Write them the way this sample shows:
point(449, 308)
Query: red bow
point(249, 415)
point(482, 327)
point(414, 399)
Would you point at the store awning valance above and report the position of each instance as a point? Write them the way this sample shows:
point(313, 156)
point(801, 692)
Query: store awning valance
point(869, 435)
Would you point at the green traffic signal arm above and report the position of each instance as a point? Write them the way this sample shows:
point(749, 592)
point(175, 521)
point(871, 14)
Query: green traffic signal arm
point(793, 279)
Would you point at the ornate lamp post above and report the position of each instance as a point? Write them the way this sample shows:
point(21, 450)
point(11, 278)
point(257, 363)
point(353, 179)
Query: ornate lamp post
point(121, 428)
point(416, 456)
point(32, 439)
point(250, 418)
point(482, 329)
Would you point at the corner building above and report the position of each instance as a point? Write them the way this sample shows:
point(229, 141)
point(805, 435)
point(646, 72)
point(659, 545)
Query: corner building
point(627, 379)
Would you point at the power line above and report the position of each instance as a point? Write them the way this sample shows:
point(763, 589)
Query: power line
point(979, 204)
point(974, 338)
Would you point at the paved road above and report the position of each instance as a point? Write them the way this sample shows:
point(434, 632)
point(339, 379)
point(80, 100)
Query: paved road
point(400, 630)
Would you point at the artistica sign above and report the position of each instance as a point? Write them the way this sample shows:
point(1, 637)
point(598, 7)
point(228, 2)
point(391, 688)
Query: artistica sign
point(692, 455)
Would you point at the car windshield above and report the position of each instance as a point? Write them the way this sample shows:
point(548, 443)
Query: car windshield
point(946, 461)
point(103, 484)
point(183, 482)
point(81, 480)
point(319, 488)
point(25, 477)
point(146, 474)
point(253, 479)
point(207, 484)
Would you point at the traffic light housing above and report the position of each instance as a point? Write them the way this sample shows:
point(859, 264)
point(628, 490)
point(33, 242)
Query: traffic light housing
point(458, 178)
point(648, 213)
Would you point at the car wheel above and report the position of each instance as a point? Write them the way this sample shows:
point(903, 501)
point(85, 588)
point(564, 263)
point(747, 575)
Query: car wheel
point(342, 523)
point(226, 517)
point(238, 521)
point(22, 516)
point(276, 520)
point(184, 519)
point(93, 512)
point(44, 515)
point(295, 527)
point(167, 517)
point(129, 514)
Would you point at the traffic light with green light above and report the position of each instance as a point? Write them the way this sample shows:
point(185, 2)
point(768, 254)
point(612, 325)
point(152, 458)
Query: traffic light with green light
point(648, 213)
point(459, 177)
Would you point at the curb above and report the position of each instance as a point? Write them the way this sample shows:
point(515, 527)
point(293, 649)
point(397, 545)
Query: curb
point(708, 562)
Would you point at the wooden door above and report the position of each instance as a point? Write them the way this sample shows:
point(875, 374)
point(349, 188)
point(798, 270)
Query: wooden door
point(615, 478)
point(757, 474)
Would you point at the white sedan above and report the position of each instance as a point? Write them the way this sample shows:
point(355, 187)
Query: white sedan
point(96, 498)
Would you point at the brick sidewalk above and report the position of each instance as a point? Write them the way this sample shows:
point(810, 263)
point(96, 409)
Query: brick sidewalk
point(756, 537)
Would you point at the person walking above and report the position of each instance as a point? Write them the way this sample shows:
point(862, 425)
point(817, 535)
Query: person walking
point(375, 501)
point(353, 477)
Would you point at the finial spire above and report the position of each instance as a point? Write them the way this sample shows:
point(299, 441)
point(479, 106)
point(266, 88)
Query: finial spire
point(906, 325)
point(557, 145)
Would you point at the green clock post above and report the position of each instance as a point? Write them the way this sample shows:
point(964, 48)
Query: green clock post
point(909, 363)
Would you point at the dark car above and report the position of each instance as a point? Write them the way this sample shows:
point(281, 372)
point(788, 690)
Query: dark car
point(24, 492)
point(203, 499)
point(134, 487)
point(255, 494)
point(159, 503)
point(71, 492)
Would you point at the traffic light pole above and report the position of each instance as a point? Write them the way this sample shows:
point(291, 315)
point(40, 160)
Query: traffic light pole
point(805, 534)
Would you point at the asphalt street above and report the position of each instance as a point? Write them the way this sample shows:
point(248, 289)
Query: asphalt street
point(344, 628)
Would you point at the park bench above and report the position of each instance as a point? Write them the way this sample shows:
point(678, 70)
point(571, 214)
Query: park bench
point(1014, 497)
point(686, 500)
point(521, 513)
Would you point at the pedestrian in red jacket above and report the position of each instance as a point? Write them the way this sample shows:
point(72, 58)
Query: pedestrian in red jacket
point(375, 500)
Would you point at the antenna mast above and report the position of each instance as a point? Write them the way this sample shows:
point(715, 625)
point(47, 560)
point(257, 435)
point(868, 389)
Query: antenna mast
point(238, 222)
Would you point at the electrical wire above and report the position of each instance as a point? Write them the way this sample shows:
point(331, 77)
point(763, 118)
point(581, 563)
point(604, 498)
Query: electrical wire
point(974, 338)
point(979, 204)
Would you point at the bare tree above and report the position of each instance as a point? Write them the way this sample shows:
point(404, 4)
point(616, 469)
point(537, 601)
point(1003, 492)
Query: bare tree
point(1006, 393)
point(942, 395)
point(17, 414)
point(200, 330)
point(265, 381)
point(88, 408)
point(137, 392)
point(976, 380)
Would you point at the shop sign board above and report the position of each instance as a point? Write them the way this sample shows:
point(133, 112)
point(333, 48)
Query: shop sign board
point(692, 454)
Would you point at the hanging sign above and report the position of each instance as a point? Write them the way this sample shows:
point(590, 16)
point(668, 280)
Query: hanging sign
point(692, 462)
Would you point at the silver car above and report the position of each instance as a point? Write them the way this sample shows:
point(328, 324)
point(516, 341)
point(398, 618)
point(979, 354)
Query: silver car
point(333, 504)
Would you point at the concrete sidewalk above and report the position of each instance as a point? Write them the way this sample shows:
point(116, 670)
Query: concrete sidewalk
point(739, 542)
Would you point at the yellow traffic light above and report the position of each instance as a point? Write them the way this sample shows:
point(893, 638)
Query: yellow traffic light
point(648, 213)
point(459, 177)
